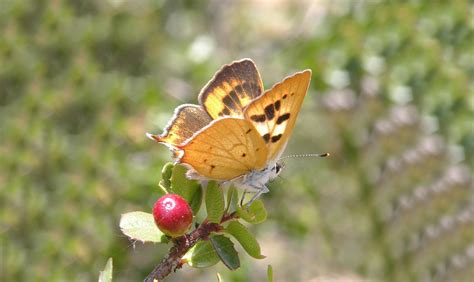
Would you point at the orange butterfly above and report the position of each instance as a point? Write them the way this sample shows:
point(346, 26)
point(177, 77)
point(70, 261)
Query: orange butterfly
point(238, 132)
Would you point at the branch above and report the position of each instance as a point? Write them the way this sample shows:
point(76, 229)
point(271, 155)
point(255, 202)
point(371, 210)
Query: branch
point(182, 244)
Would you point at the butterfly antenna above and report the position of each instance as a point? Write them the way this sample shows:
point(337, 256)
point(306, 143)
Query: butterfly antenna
point(306, 156)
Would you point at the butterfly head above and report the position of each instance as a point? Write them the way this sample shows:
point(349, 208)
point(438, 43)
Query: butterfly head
point(276, 170)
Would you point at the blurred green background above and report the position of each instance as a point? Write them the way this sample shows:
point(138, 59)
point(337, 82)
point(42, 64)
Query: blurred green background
point(392, 100)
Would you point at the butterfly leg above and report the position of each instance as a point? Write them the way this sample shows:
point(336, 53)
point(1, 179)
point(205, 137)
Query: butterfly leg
point(260, 190)
point(243, 197)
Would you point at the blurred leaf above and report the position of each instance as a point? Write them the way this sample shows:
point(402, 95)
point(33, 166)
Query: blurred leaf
point(214, 202)
point(141, 226)
point(190, 190)
point(270, 273)
point(254, 214)
point(202, 255)
point(245, 238)
point(106, 274)
point(226, 251)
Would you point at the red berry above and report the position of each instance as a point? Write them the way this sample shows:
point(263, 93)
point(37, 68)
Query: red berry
point(172, 214)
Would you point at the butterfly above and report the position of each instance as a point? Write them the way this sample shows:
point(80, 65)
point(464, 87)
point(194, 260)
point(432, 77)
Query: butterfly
point(238, 131)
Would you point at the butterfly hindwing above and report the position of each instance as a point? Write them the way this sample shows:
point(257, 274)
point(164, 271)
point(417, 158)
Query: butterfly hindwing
point(231, 89)
point(274, 113)
point(187, 120)
point(225, 149)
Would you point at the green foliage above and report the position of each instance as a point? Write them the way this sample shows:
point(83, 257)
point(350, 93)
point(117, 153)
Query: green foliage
point(141, 226)
point(214, 202)
point(226, 252)
point(232, 199)
point(165, 182)
point(245, 238)
point(212, 248)
point(202, 255)
point(106, 274)
point(270, 273)
point(255, 213)
point(190, 190)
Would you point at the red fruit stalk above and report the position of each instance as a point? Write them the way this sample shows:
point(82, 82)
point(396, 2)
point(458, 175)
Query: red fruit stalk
point(172, 214)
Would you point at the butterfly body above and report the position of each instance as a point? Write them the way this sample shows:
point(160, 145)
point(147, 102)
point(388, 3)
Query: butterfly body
point(238, 132)
point(255, 180)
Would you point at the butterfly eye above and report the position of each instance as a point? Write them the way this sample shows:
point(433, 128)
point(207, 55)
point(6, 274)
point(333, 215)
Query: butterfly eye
point(277, 168)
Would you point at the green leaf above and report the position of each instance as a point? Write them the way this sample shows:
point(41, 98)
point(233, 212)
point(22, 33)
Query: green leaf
point(190, 190)
point(232, 199)
point(162, 191)
point(166, 173)
point(141, 226)
point(226, 251)
point(202, 255)
point(269, 273)
point(245, 238)
point(196, 200)
point(214, 202)
point(254, 214)
point(106, 274)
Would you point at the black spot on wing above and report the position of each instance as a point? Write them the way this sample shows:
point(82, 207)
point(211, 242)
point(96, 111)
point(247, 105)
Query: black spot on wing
point(244, 154)
point(227, 100)
point(284, 96)
point(235, 98)
point(282, 118)
point(277, 105)
point(266, 137)
point(248, 131)
point(276, 138)
point(258, 118)
point(269, 111)
point(224, 112)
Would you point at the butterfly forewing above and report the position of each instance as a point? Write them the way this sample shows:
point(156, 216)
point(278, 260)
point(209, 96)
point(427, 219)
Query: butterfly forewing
point(231, 89)
point(274, 113)
point(187, 120)
point(225, 149)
